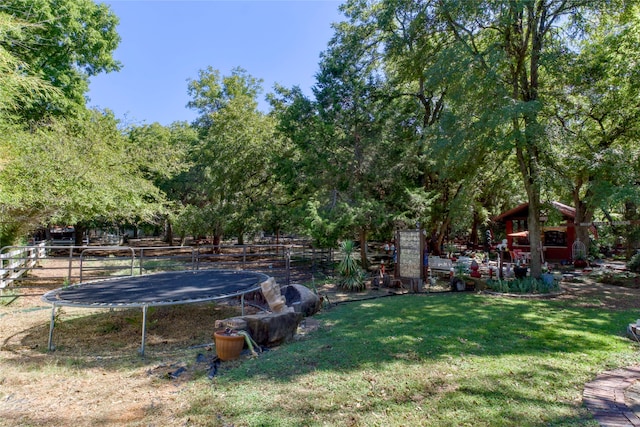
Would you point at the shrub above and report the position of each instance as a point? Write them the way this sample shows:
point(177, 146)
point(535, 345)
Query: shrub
point(498, 285)
point(350, 275)
point(634, 263)
point(526, 285)
point(616, 278)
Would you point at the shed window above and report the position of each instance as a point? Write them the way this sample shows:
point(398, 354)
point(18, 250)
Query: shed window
point(555, 238)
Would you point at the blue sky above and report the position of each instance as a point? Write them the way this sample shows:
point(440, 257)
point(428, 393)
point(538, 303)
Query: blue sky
point(164, 43)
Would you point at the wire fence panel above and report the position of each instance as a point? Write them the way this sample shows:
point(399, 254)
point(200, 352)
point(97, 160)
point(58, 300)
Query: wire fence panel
point(46, 266)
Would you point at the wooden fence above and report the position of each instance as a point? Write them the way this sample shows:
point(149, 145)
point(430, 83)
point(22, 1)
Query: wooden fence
point(16, 261)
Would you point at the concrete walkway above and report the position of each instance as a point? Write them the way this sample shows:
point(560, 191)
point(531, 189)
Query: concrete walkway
point(605, 397)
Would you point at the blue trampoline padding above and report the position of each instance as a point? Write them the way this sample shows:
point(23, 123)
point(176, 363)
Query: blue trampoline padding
point(158, 289)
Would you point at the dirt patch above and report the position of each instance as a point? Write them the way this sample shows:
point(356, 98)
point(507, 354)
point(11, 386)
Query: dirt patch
point(332, 294)
point(585, 291)
point(95, 376)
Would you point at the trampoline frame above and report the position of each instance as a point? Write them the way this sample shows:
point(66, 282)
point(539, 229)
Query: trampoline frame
point(51, 296)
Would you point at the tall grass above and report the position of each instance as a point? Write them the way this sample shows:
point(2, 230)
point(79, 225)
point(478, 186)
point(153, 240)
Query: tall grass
point(425, 360)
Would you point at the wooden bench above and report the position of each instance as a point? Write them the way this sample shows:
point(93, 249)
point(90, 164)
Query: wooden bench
point(439, 265)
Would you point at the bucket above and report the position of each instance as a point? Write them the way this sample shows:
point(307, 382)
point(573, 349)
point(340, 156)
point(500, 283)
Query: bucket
point(547, 278)
point(228, 346)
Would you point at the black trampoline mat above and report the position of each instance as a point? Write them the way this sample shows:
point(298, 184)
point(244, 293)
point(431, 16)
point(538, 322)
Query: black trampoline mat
point(158, 289)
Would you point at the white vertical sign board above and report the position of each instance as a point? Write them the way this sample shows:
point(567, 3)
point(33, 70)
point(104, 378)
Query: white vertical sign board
point(410, 247)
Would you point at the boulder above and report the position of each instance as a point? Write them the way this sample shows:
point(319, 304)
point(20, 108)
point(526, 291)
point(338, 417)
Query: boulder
point(293, 302)
point(266, 329)
point(302, 299)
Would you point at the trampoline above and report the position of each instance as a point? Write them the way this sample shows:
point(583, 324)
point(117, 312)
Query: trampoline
point(168, 288)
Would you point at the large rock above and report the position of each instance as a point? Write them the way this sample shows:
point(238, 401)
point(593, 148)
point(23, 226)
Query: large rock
point(266, 329)
point(302, 299)
point(270, 329)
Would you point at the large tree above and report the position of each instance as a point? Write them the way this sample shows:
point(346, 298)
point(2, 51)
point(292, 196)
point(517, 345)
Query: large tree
point(596, 118)
point(161, 153)
point(18, 83)
point(342, 158)
point(69, 41)
point(231, 161)
point(420, 102)
point(352, 140)
point(73, 172)
point(515, 45)
point(422, 68)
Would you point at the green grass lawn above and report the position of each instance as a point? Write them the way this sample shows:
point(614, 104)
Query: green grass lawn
point(425, 360)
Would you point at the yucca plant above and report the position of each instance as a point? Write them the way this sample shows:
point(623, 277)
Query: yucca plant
point(350, 275)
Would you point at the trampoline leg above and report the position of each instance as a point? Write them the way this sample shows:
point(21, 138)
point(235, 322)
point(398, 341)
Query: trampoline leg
point(242, 303)
point(144, 328)
point(51, 326)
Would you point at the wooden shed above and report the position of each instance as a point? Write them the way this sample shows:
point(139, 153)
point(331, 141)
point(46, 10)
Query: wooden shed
point(557, 240)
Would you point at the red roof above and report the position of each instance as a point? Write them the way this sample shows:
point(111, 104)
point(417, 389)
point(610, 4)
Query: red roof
point(566, 211)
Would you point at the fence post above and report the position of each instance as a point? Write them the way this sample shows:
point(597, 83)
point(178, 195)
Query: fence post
point(244, 257)
point(3, 283)
point(71, 263)
point(288, 265)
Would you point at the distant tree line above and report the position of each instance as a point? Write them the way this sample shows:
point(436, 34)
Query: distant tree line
point(441, 113)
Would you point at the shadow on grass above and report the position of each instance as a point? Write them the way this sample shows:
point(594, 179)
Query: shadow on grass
point(486, 400)
point(373, 331)
point(462, 359)
point(432, 327)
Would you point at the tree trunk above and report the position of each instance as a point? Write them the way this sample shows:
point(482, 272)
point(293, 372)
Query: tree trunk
point(583, 215)
point(80, 229)
point(632, 233)
point(217, 238)
point(364, 261)
point(531, 179)
point(534, 235)
point(168, 231)
point(473, 238)
point(442, 234)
